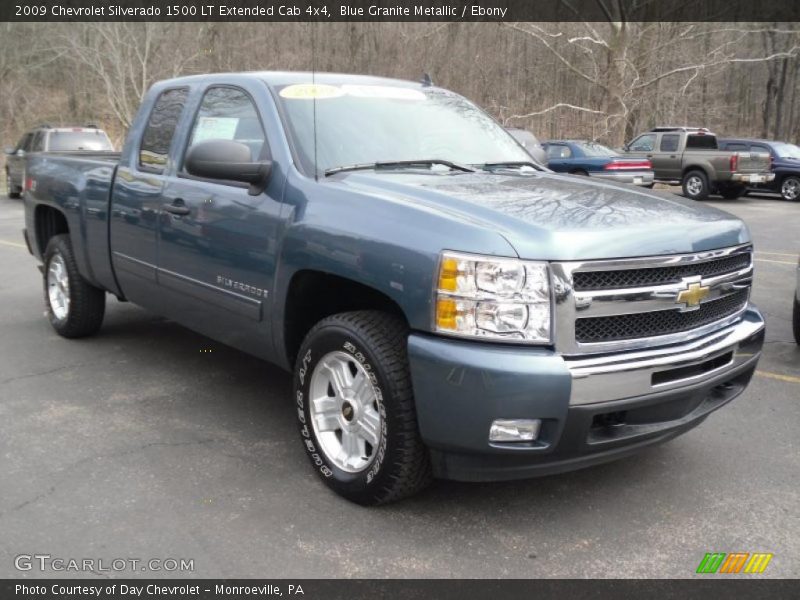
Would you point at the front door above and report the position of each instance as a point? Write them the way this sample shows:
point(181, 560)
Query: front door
point(666, 158)
point(217, 243)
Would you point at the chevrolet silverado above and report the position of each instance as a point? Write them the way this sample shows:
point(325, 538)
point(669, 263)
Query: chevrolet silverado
point(448, 307)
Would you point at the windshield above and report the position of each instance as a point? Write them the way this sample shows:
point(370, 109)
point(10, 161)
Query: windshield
point(787, 150)
point(67, 141)
point(359, 124)
point(594, 150)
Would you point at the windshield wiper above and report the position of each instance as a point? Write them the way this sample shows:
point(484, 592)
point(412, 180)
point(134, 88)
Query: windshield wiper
point(510, 165)
point(396, 164)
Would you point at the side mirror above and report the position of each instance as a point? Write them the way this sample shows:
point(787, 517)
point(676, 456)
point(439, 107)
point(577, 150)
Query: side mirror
point(626, 148)
point(9, 150)
point(229, 161)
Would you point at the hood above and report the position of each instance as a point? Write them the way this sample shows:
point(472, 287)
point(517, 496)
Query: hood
point(546, 216)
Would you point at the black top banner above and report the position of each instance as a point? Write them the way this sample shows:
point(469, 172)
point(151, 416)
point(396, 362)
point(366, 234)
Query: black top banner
point(402, 10)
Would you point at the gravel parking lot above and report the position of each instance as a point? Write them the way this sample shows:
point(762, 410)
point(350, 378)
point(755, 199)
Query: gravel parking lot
point(149, 441)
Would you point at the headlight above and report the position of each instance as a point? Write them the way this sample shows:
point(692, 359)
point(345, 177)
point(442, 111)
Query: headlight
point(494, 298)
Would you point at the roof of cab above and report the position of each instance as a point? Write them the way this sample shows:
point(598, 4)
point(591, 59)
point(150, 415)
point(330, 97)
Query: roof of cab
point(281, 78)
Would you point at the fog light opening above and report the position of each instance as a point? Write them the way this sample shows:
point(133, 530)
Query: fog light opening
point(514, 430)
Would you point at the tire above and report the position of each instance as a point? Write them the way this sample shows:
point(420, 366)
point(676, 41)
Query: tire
point(796, 320)
point(733, 192)
point(389, 463)
point(10, 187)
point(649, 186)
point(579, 172)
point(790, 188)
point(75, 308)
point(695, 185)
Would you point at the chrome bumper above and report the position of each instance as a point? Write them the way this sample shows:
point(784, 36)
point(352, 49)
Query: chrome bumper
point(752, 177)
point(629, 374)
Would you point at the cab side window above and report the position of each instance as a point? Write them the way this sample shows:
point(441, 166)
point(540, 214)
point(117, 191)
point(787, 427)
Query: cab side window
point(38, 142)
point(669, 142)
point(228, 113)
point(556, 151)
point(644, 143)
point(157, 138)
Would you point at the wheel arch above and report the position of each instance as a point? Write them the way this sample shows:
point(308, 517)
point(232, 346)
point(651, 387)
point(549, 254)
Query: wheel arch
point(313, 295)
point(48, 222)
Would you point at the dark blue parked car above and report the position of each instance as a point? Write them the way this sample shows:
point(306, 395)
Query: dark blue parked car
point(785, 164)
point(580, 157)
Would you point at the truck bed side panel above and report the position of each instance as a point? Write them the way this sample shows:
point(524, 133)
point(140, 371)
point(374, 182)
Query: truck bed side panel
point(79, 187)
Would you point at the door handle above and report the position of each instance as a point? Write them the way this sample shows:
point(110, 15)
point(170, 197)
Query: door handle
point(177, 207)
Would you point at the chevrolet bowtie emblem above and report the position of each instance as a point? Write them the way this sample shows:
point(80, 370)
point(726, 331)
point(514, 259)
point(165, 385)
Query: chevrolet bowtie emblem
point(693, 295)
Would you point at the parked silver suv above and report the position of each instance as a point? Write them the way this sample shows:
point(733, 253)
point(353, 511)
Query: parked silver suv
point(50, 139)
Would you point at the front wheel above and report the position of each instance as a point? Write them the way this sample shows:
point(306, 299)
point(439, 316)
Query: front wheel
point(790, 188)
point(695, 185)
point(355, 407)
point(75, 308)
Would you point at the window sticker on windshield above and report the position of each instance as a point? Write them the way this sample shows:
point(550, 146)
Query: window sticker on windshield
point(215, 128)
point(383, 91)
point(307, 91)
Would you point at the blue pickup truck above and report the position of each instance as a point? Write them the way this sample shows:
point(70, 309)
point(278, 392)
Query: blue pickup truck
point(448, 308)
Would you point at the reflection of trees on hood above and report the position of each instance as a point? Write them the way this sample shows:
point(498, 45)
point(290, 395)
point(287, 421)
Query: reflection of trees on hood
point(557, 203)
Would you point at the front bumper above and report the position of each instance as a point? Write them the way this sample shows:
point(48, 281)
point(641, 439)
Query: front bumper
point(634, 177)
point(593, 410)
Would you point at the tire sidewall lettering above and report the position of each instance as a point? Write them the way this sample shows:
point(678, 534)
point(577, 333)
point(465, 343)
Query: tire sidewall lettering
point(305, 367)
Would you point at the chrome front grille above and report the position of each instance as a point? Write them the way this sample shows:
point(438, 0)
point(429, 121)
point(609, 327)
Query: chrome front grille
point(606, 306)
point(657, 322)
point(600, 280)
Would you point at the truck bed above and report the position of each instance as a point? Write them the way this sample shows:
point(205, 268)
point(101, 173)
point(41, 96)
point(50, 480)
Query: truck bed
point(78, 184)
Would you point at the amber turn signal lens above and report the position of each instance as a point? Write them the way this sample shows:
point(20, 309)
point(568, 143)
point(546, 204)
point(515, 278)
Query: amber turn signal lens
point(448, 275)
point(446, 313)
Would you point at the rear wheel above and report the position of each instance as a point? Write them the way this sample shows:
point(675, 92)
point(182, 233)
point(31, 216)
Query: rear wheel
point(790, 188)
point(580, 172)
point(355, 405)
point(695, 185)
point(75, 308)
point(12, 191)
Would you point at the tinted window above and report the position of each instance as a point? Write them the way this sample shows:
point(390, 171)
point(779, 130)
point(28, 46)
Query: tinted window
point(38, 142)
point(157, 137)
point(669, 142)
point(229, 114)
point(644, 143)
point(736, 147)
point(75, 141)
point(556, 151)
point(701, 142)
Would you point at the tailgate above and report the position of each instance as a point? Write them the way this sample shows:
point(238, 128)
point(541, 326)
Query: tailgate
point(753, 162)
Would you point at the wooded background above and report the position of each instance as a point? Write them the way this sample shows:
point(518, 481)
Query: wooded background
point(604, 81)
